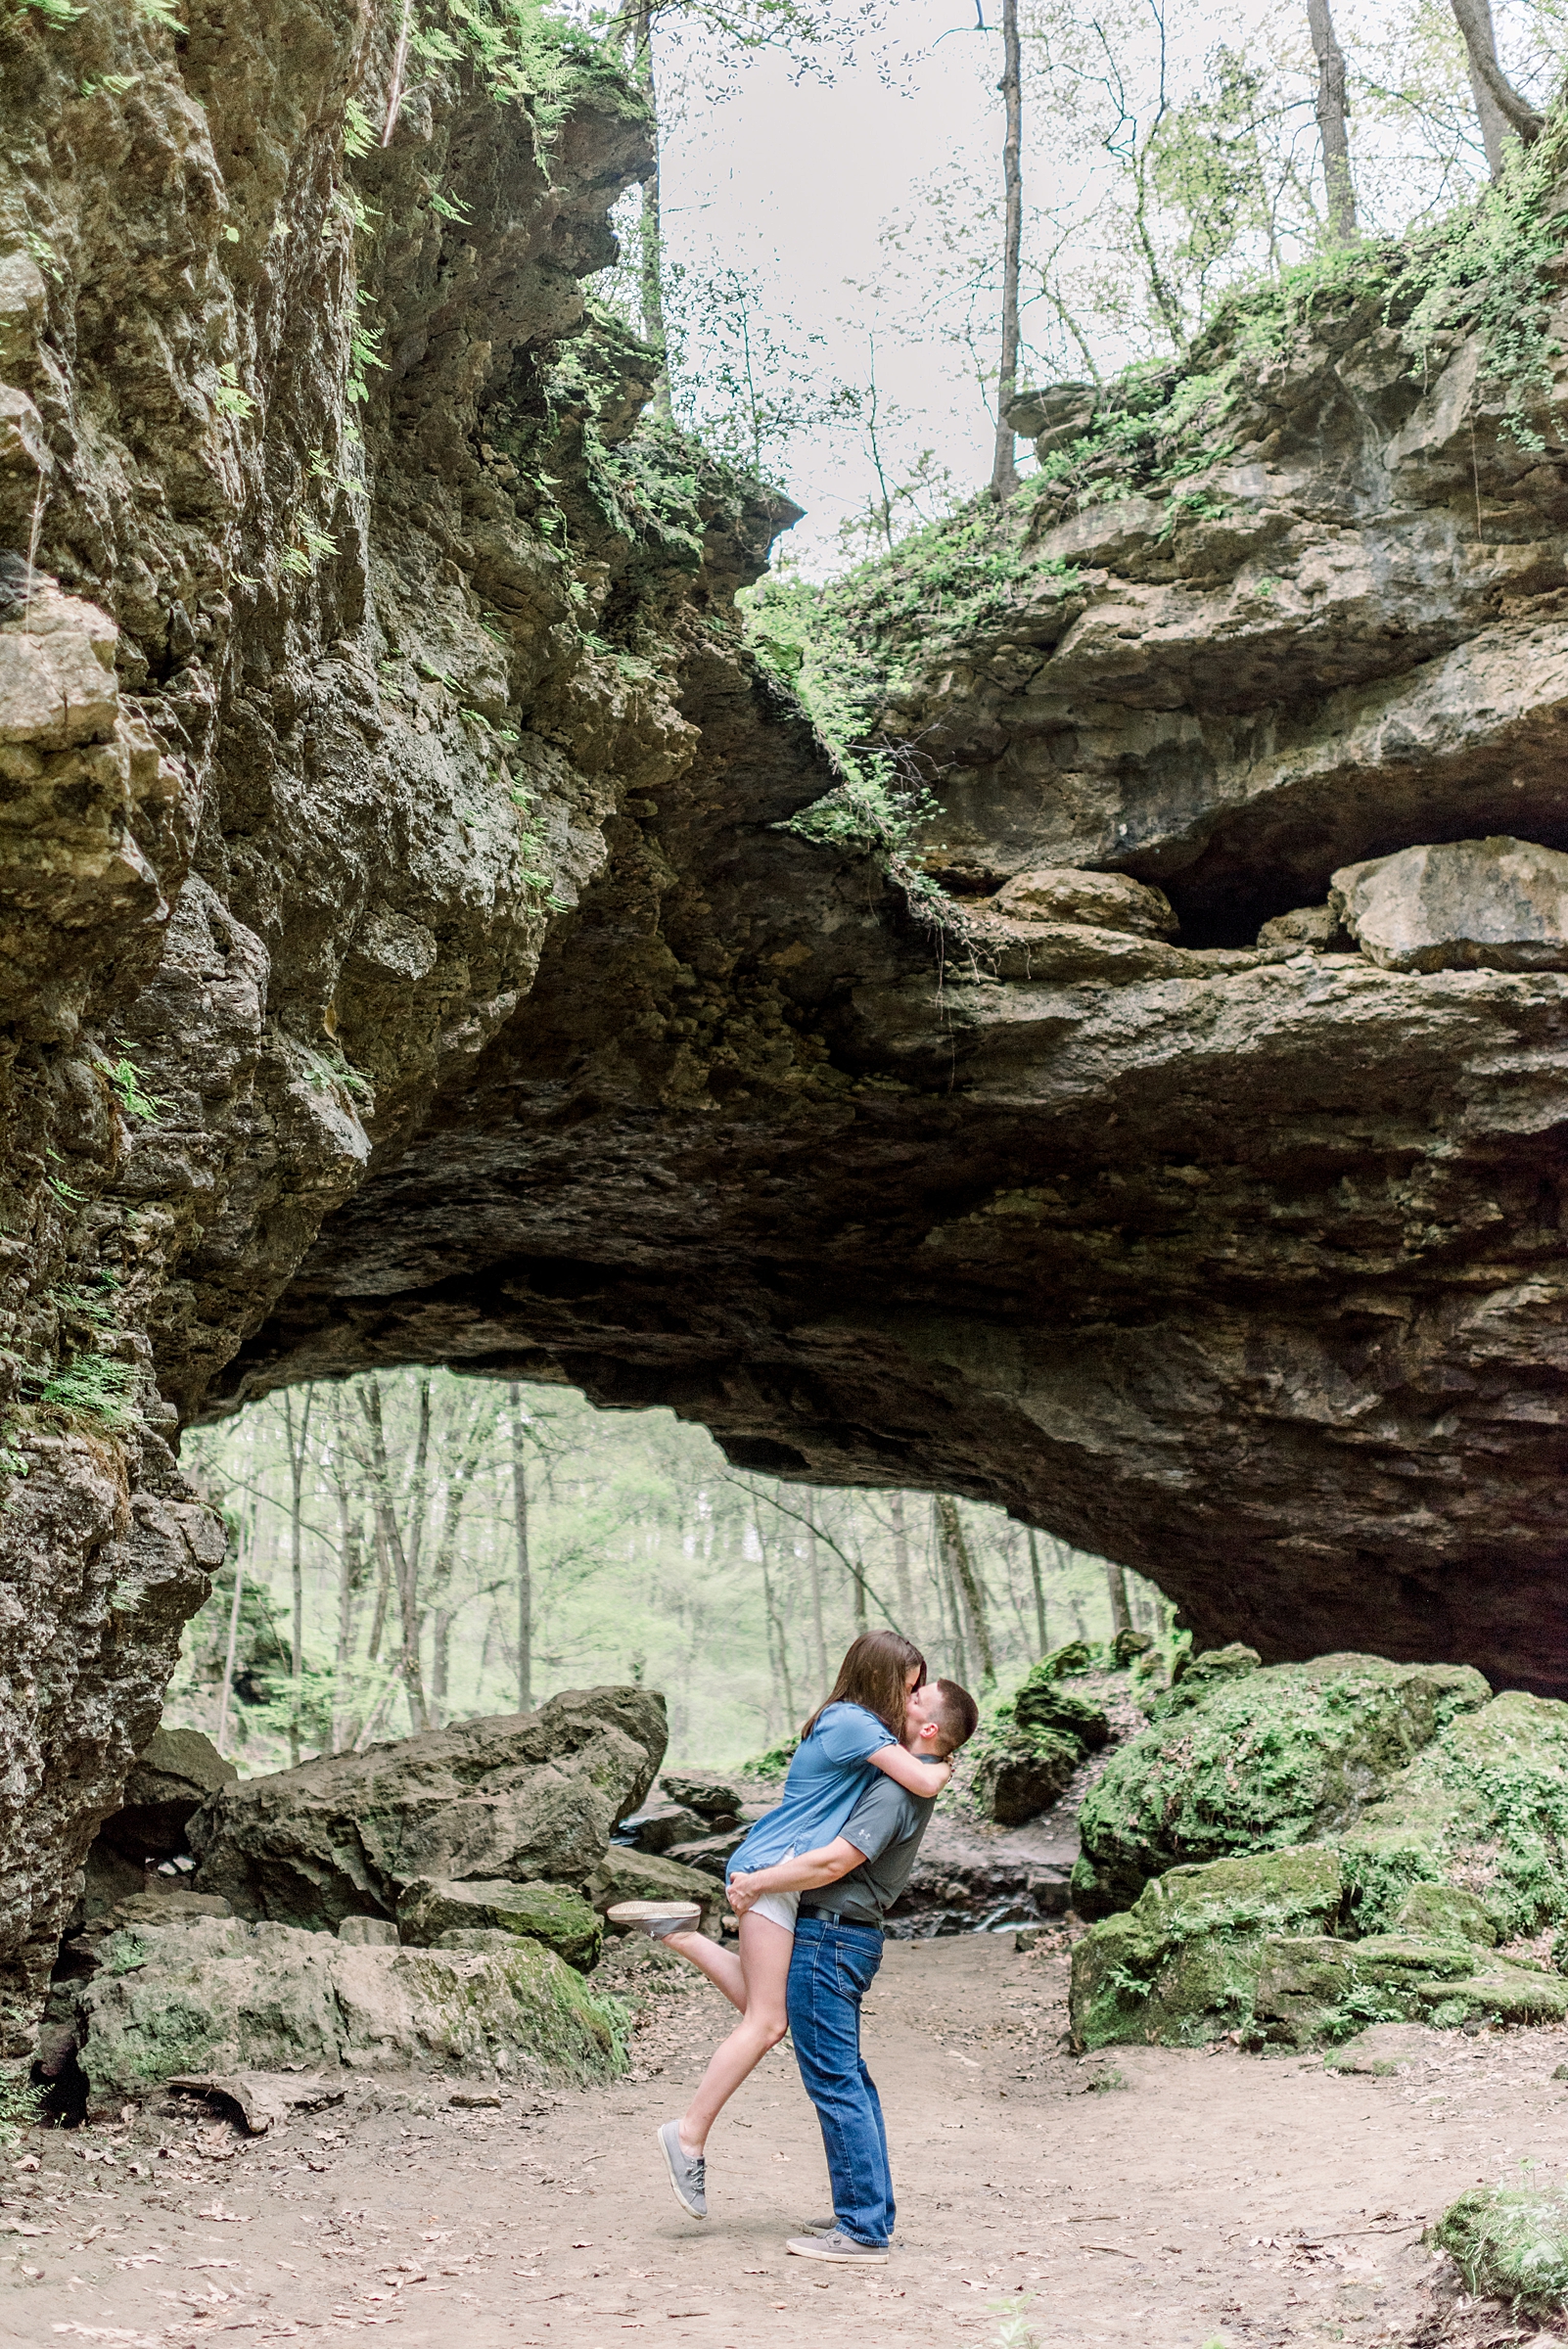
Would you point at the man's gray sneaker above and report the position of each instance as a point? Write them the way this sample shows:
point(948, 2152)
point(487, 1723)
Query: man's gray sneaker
point(687, 2171)
point(841, 2248)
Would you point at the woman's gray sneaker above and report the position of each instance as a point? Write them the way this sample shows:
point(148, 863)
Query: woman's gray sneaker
point(687, 2171)
point(655, 1917)
point(842, 2247)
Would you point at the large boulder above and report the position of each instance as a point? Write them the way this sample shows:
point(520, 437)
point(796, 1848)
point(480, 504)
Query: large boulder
point(1483, 1808)
point(1018, 1776)
point(171, 1777)
point(1102, 901)
point(1254, 1947)
point(1433, 1860)
point(1501, 904)
point(219, 1995)
point(525, 1796)
point(1254, 1761)
point(550, 1913)
point(1181, 1965)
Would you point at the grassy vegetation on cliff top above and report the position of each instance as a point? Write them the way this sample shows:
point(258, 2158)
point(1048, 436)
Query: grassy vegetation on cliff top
point(950, 590)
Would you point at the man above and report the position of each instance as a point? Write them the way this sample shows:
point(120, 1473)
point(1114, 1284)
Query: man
point(846, 1889)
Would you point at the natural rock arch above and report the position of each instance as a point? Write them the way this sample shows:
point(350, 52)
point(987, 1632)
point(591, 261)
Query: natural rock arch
point(402, 959)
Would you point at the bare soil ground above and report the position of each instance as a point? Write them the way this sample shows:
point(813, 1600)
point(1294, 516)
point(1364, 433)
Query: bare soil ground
point(1147, 2199)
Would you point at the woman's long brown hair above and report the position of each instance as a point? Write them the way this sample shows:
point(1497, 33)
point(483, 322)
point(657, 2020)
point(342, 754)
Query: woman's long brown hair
point(875, 1673)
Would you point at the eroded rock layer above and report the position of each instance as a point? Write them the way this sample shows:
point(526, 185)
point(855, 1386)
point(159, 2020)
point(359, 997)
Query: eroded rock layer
point(400, 960)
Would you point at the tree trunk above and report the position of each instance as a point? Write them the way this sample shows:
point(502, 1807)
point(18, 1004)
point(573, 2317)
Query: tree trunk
point(1039, 1589)
point(858, 1586)
point(1116, 1591)
point(901, 1569)
point(1496, 102)
point(346, 1722)
point(962, 1570)
point(459, 1477)
point(777, 1652)
point(525, 1570)
point(297, 1470)
point(813, 1571)
point(389, 1535)
point(1332, 110)
point(650, 234)
point(228, 1660)
point(1003, 471)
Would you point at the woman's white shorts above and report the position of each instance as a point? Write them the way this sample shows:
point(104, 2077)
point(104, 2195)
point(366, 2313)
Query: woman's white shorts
point(778, 1908)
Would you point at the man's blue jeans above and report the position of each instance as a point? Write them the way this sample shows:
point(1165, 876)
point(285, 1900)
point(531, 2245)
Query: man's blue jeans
point(830, 1972)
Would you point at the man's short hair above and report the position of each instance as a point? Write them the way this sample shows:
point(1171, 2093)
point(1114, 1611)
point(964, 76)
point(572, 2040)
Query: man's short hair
point(957, 1715)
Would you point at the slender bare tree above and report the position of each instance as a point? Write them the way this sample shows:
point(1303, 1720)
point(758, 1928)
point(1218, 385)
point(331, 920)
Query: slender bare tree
point(1498, 103)
point(1116, 1591)
point(299, 1458)
point(1039, 1587)
point(813, 1571)
point(525, 1570)
point(1333, 109)
point(962, 1566)
point(402, 1557)
point(1004, 471)
point(901, 1567)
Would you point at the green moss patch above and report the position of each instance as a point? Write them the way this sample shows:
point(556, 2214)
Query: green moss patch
point(1183, 1966)
point(1259, 1762)
point(1510, 2245)
point(552, 1915)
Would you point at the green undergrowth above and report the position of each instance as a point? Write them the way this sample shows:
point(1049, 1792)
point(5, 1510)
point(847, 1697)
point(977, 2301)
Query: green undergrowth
point(643, 496)
point(850, 649)
point(95, 1388)
point(20, 2104)
point(524, 55)
point(1479, 270)
point(845, 648)
point(1510, 2243)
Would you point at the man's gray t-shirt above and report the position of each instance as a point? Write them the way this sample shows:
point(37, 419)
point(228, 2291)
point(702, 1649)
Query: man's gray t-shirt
point(887, 1824)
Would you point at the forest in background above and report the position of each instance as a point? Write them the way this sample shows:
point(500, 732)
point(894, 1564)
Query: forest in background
point(410, 1548)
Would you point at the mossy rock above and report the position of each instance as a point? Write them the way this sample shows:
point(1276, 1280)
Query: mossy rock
point(1444, 1912)
point(1485, 1807)
point(1510, 2243)
point(1314, 1989)
point(1196, 1676)
point(1042, 1703)
point(552, 1915)
point(219, 1995)
point(1064, 1663)
point(1022, 1775)
point(1259, 1760)
point(1181, 1966)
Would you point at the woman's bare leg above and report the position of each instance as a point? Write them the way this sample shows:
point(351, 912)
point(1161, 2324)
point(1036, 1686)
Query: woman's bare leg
point(764, 1956)
point(721, 1967)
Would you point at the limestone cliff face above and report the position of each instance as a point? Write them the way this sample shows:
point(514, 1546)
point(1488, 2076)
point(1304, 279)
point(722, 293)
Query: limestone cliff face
point(308, 735)
point(398, 960)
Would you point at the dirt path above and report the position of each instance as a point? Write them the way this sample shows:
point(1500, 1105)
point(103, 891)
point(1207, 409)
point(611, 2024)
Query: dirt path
point(1156, 2200)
